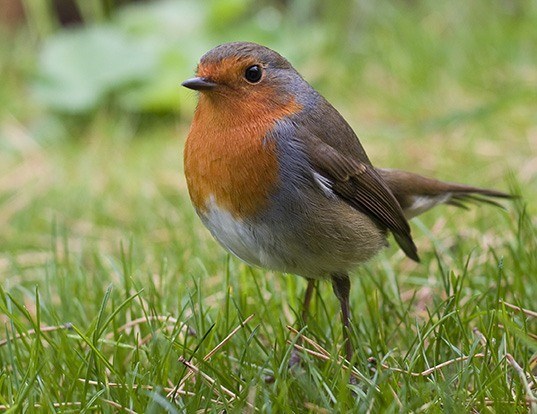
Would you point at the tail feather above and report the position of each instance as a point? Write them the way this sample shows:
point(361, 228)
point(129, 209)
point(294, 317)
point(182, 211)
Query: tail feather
point(474, 198)
point(457, 203)
point(417, 194)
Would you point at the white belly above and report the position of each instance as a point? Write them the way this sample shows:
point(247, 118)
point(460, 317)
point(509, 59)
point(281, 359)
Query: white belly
point(244, 240)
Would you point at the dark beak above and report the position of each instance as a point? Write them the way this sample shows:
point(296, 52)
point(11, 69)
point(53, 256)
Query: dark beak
point(199, 84)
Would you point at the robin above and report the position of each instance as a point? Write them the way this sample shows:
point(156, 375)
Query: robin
point(281, 180)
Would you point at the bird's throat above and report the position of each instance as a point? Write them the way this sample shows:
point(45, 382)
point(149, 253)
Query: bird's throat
point(230, 159)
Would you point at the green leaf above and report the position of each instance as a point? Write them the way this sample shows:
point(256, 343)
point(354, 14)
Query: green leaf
point(80, 67)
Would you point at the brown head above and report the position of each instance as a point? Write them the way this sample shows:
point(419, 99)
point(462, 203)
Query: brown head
point(248, 78)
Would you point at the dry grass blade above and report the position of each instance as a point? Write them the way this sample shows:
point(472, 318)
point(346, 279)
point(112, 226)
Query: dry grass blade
point(136, 322)
point(532, 399)
point(489, 402)
point(143, 387)
point(211, 353)
point(526, 312)
point(33, 332)
point(480, 336)
point(318, 347)
point(195, 370)
point(144, 319)
point(134, 386)
point(70, 405)
point(531, 335)
point(227, 338)
point(118, 406)
point(425, 373)
point(316, 354)
point(211, 380)
point(431, 370)
point(325, 355)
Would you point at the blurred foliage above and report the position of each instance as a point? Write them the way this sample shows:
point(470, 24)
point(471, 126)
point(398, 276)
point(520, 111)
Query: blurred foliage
point(137, 56)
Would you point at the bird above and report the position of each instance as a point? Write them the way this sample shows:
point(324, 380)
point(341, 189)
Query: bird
point(281, 180)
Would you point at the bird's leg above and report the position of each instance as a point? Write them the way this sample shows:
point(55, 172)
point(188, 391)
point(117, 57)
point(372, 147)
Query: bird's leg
point(295, 356)
point(307, 300)
point(342, 286)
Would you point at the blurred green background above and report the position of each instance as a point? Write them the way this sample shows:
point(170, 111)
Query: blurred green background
point(92, 195)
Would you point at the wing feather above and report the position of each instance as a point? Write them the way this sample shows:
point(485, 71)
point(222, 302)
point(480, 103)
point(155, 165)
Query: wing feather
point(360, 185)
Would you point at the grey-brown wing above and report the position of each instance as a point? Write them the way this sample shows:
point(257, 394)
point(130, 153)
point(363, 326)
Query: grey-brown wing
point(359, 184)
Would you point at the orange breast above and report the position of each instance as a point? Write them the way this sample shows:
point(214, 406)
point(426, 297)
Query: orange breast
point(227, 157)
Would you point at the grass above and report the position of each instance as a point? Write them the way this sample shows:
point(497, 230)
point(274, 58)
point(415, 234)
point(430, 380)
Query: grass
point(112, 295)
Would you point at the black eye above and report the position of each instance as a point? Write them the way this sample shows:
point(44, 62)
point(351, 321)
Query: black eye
point(253, 74)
